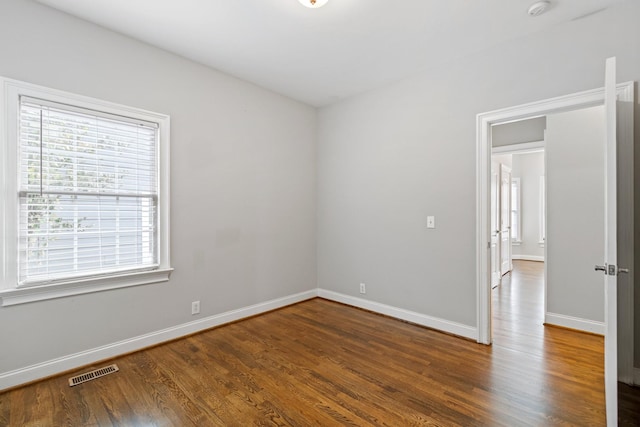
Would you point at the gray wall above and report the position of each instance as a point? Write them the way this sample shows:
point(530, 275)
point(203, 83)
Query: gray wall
point(531, 130)
point(242, 185)
point(575, 213)
point(389, 157)
point(529, 168)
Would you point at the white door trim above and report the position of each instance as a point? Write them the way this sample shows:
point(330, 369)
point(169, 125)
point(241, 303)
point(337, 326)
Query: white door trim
point(520, 148)
point(484, 121)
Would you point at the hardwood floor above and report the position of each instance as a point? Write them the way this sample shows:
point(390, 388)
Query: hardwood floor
point(628, 405)
point(518, 316)
point(323, 363)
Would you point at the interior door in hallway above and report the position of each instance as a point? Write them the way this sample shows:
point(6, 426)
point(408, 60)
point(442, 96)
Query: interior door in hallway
point(505, 219)
point(495, 225)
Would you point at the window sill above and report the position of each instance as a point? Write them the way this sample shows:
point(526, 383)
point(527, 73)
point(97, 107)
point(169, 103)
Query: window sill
point(9, 297)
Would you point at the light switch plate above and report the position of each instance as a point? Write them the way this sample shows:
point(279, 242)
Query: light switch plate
point(431, 222)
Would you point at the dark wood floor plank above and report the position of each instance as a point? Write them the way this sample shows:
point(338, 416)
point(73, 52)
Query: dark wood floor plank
point(323, 363)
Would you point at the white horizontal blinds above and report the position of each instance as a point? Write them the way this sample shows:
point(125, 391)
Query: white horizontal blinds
point(88, 193)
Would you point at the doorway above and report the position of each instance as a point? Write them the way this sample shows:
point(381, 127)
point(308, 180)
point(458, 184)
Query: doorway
point(517, 196)
point(510, 115)
point(567, 103)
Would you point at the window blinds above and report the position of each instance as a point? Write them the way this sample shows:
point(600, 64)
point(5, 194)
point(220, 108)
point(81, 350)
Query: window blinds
point(88, 193)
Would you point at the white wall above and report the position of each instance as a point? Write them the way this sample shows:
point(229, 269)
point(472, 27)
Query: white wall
point(389, 157)
point(505, 159)
point(242, 185)
point(529, 167)
point(575, 215)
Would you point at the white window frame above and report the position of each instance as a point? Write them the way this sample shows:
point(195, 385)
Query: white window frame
point(516, 240)
point(10, 292)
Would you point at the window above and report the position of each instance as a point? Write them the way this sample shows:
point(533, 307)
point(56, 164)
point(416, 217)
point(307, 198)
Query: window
point(516, 222)
point(86, 204)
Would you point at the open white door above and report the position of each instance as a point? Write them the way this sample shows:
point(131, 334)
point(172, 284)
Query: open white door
point(505, 219)
point(495, 226)
point(610, 267)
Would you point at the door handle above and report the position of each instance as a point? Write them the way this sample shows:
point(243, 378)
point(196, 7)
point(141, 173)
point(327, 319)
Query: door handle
point(611, 270)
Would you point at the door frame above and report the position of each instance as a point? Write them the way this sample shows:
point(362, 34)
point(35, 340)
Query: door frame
point(484, 121)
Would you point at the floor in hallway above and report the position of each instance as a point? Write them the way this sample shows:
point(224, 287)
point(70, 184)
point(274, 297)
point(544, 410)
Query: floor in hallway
point(518, 316)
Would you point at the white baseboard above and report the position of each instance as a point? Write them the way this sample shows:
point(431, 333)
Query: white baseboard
point(574, 323)
point(400, 313)
point(73, 361)
point(528, 257)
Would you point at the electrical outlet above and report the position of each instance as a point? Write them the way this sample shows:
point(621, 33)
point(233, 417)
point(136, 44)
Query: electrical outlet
point(195, 307)
point(363, 288)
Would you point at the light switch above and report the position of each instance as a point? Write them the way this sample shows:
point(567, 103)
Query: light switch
point(431, 222)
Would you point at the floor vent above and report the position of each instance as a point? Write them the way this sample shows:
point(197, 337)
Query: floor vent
point(83, 378)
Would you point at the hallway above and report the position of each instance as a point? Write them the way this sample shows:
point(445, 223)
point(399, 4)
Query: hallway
point(518, 310)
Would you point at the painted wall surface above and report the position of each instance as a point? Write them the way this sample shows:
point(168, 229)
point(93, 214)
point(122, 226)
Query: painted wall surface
point(390, 157)
point(505, 159)
point(575, 213)
point(529, 168)
point(531, 130)
point(242, 185)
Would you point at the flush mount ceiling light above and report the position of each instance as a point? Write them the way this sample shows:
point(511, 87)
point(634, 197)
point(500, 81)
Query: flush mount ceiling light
point(313, 4)
point(539, 8)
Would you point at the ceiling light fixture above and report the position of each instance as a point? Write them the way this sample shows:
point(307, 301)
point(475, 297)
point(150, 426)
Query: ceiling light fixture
point(538, 8)
point(313, 4)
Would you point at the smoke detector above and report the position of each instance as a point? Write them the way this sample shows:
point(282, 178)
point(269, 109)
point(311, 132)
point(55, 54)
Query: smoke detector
point(538, 8)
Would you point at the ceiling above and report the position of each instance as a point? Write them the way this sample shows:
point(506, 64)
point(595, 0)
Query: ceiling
point(319, 56)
